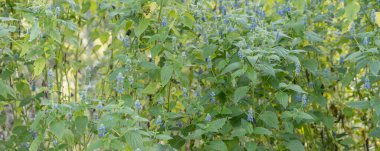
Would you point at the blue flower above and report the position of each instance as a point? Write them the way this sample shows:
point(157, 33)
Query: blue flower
point(102, 130)
point(119, 83)
point(366, 41)
point(373, 15)
point(240, 54)
point(34, 135)
point(208, 117)
point(138, 105)
point(311, 84)
point(250, 116)
point(298, 68)
point(299, 96)
point(205, 38)
point(100, 105)
point(160, 100)
point(367, 83)
point(179, 124)
point(203, 18)
point(55, 142)
point(163, 22)
point(130, 79)
point(326, 71)
point(185, 94)
point(159, 120)
point(127, 41)
point(304, 99)
point(352, 28)
point(341, 59)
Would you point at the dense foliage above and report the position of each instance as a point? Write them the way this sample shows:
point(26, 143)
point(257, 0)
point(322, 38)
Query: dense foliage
point(189, 75)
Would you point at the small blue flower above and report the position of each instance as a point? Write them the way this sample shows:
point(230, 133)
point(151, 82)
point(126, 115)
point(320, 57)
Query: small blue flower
point(130, 79)
point(100, 105)
point(34, 135)
point(119, 83)
point(366, 41)
point(341, 59)
point(367, 83)
point(160, 100)
point(185, 93)
point(138, 105)
point(311, 84)
point(163, 22)
point(298, 68)
point(299, 97)
point(127, 41)
point(208, 59)
point(241, 55)
point(373, 15)
point(205, 38)
point(326, 71)
point(352, 28)
point(179, 124)
point(203, 18)
point(55, 142)
point(226, 21)
point(137, 149)
point(250, 116)
point(159, 120)
point(50, 73)
point(304, 99)
point(208, 117)
point(101, 130)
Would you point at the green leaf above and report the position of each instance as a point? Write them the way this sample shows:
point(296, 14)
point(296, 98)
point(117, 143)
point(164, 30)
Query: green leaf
point(351, 10)
point(262, 131)
point(163, 137)
point(55, 35)
point(231, 67)
point(293, 87)
point(57, 129)
point(143, 25)
point(295, 145)
point(375, 132)
point(36, 142)
point(134, 139)
point(68, 136)
point(35, 31)
point(166, 74)
point(251, 146)
point(359, 104)
point(177, 142)
point(375, 67)
point(39, 65)
point(282, 98)
point(312, 36)
point(81, 123)
point(94, 145)
point(252, 75)
point(151, 88)
point(217, 145)
point(240, 93)
point(214, 126)
point(270, 119)
point(188, 20)
point(6, 90)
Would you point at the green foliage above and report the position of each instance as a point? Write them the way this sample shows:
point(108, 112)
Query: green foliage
point(189, 75)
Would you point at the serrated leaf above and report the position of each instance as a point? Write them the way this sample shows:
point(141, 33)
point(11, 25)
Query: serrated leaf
point(134, 139)
point(217, 145)
point(282, 98)
point(359, 104)
point(166, 74)
point(240, 93)
point(270, 119)
point(39, 65)
point(262, 131)
point(35, 31)
point(214, 126)
point(57, 129)
point(163, 137)
point(143, 25)
point(231, 67)
point(295, 145)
